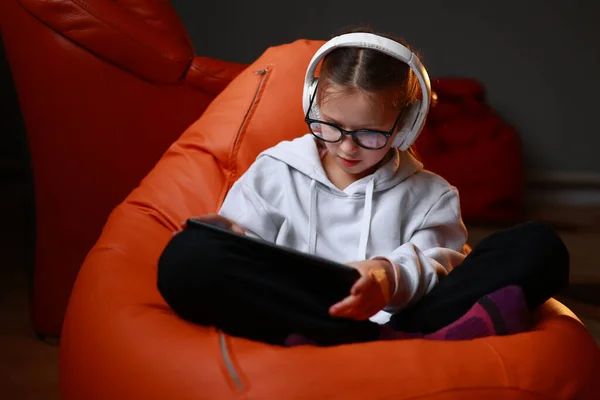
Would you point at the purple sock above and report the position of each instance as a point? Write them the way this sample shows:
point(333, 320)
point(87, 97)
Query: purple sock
point(503, 312)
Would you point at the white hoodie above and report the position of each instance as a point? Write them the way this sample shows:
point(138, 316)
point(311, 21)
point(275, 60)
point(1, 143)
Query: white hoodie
point(402, 213)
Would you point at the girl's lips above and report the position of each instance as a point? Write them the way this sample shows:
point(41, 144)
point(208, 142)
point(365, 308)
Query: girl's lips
point(349, 163)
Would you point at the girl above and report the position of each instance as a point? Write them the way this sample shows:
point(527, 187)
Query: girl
point(343, 192)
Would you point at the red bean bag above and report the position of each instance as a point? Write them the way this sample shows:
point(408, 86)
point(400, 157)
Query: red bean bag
point(469, 144)
point(121, 341)
point(104, 88)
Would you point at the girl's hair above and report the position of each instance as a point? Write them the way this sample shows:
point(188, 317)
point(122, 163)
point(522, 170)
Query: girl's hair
point(379, 76)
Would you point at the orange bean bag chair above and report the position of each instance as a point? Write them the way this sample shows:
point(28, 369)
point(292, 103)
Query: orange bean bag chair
point(121, 341)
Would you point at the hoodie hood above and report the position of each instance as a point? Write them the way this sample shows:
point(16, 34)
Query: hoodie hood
point(303, 155)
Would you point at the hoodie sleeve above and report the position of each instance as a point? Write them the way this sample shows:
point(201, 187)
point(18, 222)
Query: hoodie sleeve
point(246, 205)
point(433, 249)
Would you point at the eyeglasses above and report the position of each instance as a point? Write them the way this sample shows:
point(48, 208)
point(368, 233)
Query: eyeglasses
point(366, 138)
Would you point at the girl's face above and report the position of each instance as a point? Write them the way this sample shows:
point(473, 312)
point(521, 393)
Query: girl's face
point(351, 112)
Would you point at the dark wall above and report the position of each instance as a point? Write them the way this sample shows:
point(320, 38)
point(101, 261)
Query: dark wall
point(537, 58)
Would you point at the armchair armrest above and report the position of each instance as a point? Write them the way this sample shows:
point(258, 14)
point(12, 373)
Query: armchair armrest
point(150, 42)
point(212, 75)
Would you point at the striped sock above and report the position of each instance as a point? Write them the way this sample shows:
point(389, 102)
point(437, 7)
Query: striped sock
point(503, 312)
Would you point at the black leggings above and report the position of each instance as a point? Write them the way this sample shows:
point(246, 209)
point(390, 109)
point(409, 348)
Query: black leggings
point(258, 295)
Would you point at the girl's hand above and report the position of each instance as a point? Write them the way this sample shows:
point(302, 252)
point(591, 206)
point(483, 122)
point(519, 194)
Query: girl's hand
point(215, 219)
point(369, 294)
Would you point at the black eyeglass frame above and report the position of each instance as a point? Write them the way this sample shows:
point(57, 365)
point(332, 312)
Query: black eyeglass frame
point(353, 133)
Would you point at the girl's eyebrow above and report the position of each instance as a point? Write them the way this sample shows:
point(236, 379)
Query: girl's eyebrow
point(329, 119)
point(333, 121)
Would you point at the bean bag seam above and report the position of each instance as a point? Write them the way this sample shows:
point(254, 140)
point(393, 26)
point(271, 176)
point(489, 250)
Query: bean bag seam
point(155, 212)
point(112, 247)
point(230, 365)
point(507, 380)
point(239, 137)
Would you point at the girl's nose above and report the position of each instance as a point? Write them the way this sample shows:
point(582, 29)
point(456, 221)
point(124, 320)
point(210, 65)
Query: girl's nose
point(348, 146)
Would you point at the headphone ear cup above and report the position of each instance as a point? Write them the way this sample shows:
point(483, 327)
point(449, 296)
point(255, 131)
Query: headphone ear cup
point(406, 134)
point(309, 91)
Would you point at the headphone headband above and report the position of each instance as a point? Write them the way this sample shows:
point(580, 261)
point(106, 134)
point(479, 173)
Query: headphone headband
point(417, 112)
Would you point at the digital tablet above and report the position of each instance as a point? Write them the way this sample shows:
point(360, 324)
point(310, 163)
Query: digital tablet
point(259, 246)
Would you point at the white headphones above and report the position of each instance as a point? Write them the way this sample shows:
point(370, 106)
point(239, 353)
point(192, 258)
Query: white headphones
point(415, 113)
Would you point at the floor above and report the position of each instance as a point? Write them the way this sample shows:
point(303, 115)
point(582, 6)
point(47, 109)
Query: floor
point(28, 366)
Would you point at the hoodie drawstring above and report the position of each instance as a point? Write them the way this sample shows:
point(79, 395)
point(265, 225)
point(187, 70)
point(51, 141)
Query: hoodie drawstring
point(366, 224)
point(312, 211)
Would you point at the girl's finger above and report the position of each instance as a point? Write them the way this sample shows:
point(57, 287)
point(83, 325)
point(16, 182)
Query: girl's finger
point(366, 308)
point(344, 307)
point(361, 312)
point(237, 229)
point(361, 307)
